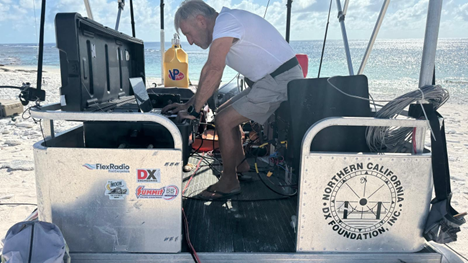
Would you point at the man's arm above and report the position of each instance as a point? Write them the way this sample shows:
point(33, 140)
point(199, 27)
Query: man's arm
point(212, 71)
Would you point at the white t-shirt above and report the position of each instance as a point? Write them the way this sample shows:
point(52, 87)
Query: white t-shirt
point(260, 49)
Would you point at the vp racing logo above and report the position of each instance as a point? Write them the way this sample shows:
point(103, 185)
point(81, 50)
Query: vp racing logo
point(111, 168)
point(363, 200)
point(175, 74)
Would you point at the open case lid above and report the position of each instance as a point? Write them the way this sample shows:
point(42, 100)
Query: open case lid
point(96, 62)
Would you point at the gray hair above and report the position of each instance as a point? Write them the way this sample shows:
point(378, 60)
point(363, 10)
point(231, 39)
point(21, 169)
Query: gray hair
point(192, 8)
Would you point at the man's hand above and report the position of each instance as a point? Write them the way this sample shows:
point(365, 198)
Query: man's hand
point(175, 108)
point(183, 114)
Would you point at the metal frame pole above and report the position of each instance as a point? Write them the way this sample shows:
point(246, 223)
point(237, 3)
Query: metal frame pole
point(341, 18)
point(430, 42)
point(373, 36)
point(41, 47)
point(345, 9)
point(88, 9)
point(288, 19)
point(162, 39)
point(132, 18)
point(121, 4)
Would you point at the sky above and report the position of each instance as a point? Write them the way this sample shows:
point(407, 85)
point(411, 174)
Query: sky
point(20, 19)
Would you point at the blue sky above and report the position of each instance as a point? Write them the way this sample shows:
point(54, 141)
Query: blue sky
point(19, 19)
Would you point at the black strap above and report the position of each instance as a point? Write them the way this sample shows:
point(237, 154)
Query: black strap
point(443, 222)
point(283, 68)
point(440, 164)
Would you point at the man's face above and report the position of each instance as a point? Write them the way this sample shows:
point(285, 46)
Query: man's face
point(196, 31)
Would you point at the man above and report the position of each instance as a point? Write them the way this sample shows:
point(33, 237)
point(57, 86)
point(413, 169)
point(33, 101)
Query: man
point(253, 47)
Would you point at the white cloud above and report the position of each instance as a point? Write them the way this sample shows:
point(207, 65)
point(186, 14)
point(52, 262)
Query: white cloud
point(464, 11)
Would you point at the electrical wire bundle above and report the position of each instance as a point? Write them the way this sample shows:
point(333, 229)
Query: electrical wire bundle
point(394, 139)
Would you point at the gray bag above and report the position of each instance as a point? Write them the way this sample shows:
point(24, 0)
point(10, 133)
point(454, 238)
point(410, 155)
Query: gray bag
point(35, 241)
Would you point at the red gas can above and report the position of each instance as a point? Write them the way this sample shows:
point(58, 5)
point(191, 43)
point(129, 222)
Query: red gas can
point(304, 62)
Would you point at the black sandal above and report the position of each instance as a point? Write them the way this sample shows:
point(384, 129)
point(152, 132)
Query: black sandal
point(221, 195)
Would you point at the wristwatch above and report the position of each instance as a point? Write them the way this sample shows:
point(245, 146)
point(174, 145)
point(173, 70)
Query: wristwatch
point(191, 111)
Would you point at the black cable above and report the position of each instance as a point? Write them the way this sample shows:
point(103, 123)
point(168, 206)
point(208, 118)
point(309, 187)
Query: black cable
point(35, 121)
point(325, 38)
point(214, 137)
point(266, 9)
point(283, 194)
point(204, 159)
point(456, 252)
point(201, 144)
point(11, 87)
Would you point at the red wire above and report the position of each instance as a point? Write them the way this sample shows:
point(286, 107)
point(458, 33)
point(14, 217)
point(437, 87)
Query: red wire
point(187, 236)
point(414, 140)
point(191, 177)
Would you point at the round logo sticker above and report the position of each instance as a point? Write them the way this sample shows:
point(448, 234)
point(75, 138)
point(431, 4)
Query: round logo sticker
point(363, 201)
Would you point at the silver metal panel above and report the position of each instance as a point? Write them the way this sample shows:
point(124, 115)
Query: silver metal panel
point(429, 257)
point(82, 198)
point(362, 202)
point(366, 203)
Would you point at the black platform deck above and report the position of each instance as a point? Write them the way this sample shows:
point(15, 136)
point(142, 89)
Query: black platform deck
point(257, 220)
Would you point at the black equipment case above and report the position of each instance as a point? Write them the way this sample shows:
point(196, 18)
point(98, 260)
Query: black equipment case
point(96, 62)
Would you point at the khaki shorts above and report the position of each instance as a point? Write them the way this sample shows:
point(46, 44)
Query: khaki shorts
point(261, 100)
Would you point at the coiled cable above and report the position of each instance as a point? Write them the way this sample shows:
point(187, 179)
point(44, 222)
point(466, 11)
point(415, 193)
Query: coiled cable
point(394, 139)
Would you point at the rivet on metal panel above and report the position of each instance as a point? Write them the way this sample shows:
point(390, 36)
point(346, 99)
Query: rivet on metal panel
point(303, 204)
point(305, 181)
point(344, 158)
point(305, 193)
point(302, 237)
point(320, 157)
point(357, 159)
point(381, 159)
point(404, 160)
point(307, 170)
point(300, 248)
point(333, 158)
point(368, 159)
point(392, 160)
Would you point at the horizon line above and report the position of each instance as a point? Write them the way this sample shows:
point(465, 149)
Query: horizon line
point(442, 38)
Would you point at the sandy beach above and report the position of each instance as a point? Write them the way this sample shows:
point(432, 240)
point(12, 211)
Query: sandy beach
point(17, 136)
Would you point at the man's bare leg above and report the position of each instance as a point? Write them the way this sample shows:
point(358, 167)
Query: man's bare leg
point(244, 166)
point(227, 126)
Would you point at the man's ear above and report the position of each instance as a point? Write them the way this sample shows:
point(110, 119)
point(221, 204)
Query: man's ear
point(201, 20)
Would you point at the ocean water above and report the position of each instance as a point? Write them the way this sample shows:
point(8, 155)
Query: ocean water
point(392, 69)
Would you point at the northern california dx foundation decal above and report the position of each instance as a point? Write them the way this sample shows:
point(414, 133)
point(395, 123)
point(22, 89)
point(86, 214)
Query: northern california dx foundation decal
point(363, 201)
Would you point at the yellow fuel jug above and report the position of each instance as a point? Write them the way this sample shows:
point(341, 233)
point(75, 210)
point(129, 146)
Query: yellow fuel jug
point(176, 65)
